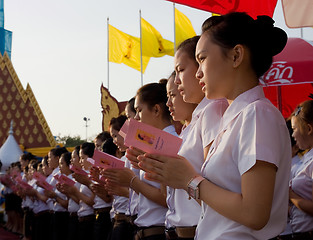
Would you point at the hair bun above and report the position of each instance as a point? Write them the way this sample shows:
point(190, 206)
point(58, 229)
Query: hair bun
point(272, 38)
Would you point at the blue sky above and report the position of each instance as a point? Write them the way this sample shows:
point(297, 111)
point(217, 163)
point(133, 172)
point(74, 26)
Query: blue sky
point(59, 48)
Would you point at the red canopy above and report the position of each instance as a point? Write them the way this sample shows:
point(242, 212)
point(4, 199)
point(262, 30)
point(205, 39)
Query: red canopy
point(252, 7)
point(289, 80)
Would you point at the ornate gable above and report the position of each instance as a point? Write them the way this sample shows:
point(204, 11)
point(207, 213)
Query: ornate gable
point(30, 126)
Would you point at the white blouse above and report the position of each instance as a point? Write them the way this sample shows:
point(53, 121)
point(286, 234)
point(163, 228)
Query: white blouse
point(72, 205)
point(196, 136)
point(149, 212)
point(302, 184)
point(120, 204)
point(52, 181)
point(84, 208)
point(251, 129)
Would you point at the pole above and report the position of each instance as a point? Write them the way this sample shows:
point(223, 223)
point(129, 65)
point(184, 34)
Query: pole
point(108, 56)
point(301, 31)
point(174, 29)
point(141, 72)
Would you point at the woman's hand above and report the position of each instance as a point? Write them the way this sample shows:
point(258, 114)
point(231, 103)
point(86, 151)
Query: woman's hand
point(94, 173)
point(132, 153)
point(82, 179)
point(120, 176)
point(175, 172)
point(50, 194)
point(116, 189)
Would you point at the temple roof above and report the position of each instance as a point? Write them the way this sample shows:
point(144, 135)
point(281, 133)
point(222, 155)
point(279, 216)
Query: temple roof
point(30, 126)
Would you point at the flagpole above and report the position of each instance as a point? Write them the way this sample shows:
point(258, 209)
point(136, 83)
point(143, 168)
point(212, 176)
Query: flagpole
point(174, 29)
point(140, 48)
point(108, 63)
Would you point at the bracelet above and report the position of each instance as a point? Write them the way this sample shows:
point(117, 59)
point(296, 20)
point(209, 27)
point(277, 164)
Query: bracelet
point(131, 181)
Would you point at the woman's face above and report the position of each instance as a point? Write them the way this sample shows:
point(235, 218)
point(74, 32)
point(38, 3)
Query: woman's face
point(75, 159)
point(83, 160)
point(128, 112)
point(143, 113)
point(31, 171)
point(23, 162)
point(215, 69)
point(188, 84)
point(64, 168)
point(117, 139)
point(46, 169)
point(300, 133)
point(178, 108)
point(53, 161)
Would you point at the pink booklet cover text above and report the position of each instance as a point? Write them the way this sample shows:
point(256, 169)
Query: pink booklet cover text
point(104, 160)
point(149, 139)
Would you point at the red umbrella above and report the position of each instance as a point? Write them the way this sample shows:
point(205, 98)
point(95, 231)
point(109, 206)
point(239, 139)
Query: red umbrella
point(289, 81)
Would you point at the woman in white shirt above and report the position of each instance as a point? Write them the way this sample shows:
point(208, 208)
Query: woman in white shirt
point(244, 182)
point(150, 106)
point(183, 214)
point(300, 193)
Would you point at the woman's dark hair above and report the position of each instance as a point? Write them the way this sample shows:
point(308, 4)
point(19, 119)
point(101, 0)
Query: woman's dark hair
point(67, 158)
point(109, 147)
point(117, 123)
point(260, 36)
point(131, 104)
point(45, 160)
point(103, 136)
point(189, 47)
point(76, 150)
point(155, 93)
point(58, 151)
point(34, 163)
point(88, 149)
point(288, 123)
point(304, 112)
point(27, 156)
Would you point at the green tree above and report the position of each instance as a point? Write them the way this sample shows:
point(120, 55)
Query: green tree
point(69, 141)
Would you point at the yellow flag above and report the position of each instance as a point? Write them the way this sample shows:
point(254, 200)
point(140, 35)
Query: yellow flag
point(183, 27)
point(153, 44)
point(124, 48)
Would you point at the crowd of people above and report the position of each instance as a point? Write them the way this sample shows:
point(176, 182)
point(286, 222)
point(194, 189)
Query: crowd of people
point(242, 171)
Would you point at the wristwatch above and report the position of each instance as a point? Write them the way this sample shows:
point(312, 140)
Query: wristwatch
point(193, 189)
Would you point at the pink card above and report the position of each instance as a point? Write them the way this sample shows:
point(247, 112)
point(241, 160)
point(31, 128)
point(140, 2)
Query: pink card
point(78, 170)
point(64, 179)
point(104, 160)
point(22, 183)
point(123, 131)
point(150, 139)
point(39, 177)
point(46, 185)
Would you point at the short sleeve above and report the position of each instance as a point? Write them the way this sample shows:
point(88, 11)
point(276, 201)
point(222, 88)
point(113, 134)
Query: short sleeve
point(262, 136)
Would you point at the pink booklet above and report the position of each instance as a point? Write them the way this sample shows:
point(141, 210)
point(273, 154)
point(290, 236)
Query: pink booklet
point(22, 183)
point(39, 177)
point(149, 139)
point(64, 179)
point(78, 170)
point(46, 185)
point(104, 160)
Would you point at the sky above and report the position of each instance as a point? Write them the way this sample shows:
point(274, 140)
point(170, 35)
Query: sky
point(60, 48)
